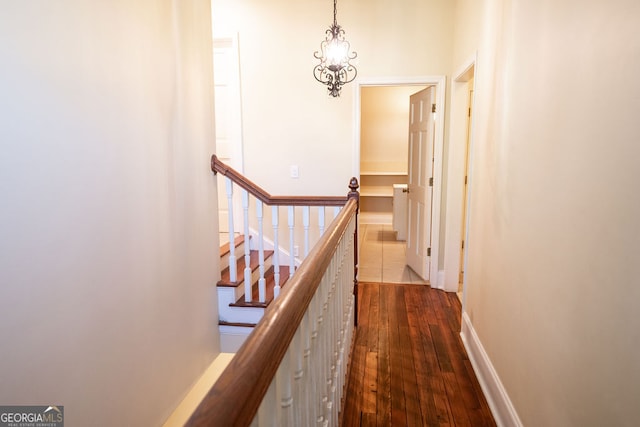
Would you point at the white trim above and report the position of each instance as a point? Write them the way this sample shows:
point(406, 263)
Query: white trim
point(230, 42)
point(440, 82)
point(456, 159)
point(497, 398)
point(472, 139)
point(283, 254)
point(464, 72)
point(228, 45)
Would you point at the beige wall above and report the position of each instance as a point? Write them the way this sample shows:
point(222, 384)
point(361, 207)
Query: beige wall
point(552, 291)
point(107, 225)
point(287, 116)
point(384, 126)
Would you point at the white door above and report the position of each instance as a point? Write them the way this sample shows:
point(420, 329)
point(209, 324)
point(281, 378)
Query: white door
point(420, 185)
point(226, 77)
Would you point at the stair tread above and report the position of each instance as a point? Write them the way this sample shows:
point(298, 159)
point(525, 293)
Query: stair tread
point(241, 324)
point(254, 263)
point(270, 285)
point(226, 248)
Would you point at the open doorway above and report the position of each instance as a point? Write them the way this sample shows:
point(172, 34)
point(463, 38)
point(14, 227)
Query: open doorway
point(384, 113)
point(384, 117)
point(381, 151)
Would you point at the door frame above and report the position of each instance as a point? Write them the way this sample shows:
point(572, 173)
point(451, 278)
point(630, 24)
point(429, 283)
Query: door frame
point(438, 148)
point(455, 177)
point(229, 42)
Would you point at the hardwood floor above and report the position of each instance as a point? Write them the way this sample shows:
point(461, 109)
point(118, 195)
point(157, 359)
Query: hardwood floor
point(408, 365)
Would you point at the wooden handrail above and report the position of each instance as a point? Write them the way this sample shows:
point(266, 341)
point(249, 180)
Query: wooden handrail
point(218, 166)
point(236, 396)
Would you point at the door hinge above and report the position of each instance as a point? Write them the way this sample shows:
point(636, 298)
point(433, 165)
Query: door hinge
point(465, 180)
point(431, 182)
point(428, 251)
point(463, 244)
point(469, 114)
point(433, 108)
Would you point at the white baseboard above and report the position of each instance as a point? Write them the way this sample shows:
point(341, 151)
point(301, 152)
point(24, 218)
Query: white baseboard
point(495, 393)
point(284, 255)
point(440, 280)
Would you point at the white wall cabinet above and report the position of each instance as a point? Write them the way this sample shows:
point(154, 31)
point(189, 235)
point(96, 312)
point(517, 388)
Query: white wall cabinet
point(400, 192)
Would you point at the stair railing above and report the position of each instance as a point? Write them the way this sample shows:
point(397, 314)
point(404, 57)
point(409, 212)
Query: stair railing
point(291, 370)
point(262, 197)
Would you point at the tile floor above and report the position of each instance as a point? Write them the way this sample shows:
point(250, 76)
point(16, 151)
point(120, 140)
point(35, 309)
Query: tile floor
point(382, 257)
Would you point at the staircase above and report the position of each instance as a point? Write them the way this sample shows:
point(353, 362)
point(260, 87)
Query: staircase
point(239, 313)
point(237, 317)
point(292, 369)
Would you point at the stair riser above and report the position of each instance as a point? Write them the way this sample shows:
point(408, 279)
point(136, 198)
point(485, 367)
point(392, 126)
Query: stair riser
point(231, 294)
point(255, 275)
point(241, 314)
point(224, 260)
point(236, 314)
point(226, 296)
point(232, 337)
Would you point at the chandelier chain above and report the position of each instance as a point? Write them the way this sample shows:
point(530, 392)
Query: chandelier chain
point(335, 13)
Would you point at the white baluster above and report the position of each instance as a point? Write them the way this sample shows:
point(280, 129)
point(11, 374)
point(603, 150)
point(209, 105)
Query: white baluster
point(291, 222)
point(305, 224)
point(309, 384)
point(346, 312)
point(262, 287)
point(322, 353)
point(283, 387)
point(348, 304)
point(276, 251)
point(330, 341)
point(336, 211)
point(267, 413)
point(247, 248)
point(299, 378)
point(336, 326)
point(332, 350)
point(321, 220)
point(233, 273)
point(314, 362)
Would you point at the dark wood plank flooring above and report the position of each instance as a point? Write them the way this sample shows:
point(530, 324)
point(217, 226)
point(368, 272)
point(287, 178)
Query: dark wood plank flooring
point(408, 366)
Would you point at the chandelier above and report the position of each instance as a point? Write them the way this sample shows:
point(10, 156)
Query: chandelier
point(334, 69)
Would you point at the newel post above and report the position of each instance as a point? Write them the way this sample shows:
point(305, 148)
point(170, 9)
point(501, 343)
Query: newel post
point(354, 194)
